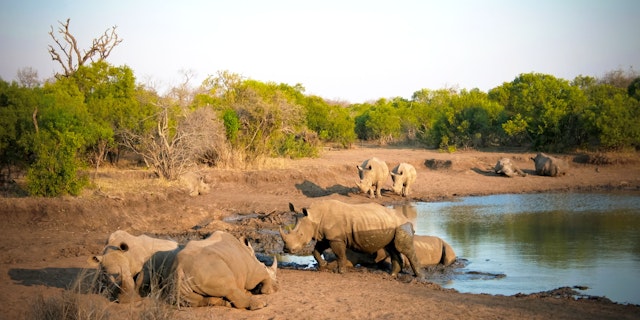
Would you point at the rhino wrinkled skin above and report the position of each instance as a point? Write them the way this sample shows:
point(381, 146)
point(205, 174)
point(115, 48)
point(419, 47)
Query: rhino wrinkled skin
point(549, 166)
point(220, 268)
point(430, 251)
point(403, 176)
point(364, 228)
point(124, 257)
point(373, 175)
point(506, 167)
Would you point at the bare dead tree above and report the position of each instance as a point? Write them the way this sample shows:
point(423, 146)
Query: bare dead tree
point(172, 150)
point(68, 53)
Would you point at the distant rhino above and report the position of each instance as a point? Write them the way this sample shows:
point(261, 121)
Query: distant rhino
point(365, 228)
point(505, 167)
point(124, 257)
point(195, 183)
point(550, 166)
point(206, 272)
point(373, 175)
point(403, 176)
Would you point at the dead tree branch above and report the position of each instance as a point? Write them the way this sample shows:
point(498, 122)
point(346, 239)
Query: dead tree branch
point(67, 52)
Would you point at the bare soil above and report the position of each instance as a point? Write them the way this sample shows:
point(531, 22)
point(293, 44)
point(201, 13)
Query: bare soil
point(45, 243)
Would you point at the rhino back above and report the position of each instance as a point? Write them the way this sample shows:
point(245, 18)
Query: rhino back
point(220, 261)
point(378, 172)
point(364, 227)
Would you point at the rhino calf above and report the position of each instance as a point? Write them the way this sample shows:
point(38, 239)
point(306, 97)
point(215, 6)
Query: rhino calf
point(549, 166)
point(124, 257)
point(218, 269)
point(373, 174)
point(505, 167)
point(403, 176)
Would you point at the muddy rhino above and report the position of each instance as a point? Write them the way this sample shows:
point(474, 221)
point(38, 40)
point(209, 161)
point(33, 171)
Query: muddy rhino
point(123, 259)
point(430, 251)
point(549, 166)
point(506, 167)
point(218, 269)
point(403, 176)
point(373, 175)
point(365, 228)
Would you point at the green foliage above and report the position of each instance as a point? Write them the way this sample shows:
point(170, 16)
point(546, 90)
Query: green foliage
point(545, 105)
point(55, 170)
point(380, 122)
point(331, 122)
point(231, 124)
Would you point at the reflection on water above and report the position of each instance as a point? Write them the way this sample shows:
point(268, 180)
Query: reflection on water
point(543, 241)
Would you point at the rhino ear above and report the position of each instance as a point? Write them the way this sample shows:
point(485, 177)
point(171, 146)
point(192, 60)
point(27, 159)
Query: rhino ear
point(124, 247)
point(304, 210)
point(291, 207)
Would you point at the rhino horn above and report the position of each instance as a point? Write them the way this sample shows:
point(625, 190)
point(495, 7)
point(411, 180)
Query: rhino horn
point(274, 265)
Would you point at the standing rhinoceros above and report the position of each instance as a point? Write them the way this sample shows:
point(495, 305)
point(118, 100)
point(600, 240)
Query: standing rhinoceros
point(220, 266)
point(373, 175)
point(506, 167)
point(549, 166)
point(124, 257)
point(403, 176)
point(365, 228)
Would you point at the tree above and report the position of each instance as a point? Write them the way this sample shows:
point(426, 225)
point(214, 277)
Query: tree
point(68, 53)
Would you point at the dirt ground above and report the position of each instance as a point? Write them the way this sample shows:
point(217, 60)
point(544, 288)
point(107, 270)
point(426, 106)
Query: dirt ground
point(45, 243)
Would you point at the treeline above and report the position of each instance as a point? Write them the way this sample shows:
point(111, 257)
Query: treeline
point(53, 130)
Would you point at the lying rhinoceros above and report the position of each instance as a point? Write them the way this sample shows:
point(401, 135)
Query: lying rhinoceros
point(124, 256)
point(549, 166)
point(403, 176)
point(430, 251)
point(365, 228)
point(506, 167)
point(373, 175)
point(220, 267)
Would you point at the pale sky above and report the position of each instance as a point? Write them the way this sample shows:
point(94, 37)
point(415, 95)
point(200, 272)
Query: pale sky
point(346, 50)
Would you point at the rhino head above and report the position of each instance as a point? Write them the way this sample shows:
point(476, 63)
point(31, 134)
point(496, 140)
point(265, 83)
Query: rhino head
point(301, 234)
point(115, 264)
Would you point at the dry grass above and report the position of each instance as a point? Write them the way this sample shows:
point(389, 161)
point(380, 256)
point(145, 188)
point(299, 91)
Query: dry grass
point(87, 300)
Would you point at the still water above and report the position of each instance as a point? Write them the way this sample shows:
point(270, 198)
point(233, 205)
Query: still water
point(541, 241)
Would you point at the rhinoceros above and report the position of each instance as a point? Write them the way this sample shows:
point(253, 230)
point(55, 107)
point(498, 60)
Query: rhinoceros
point(430, 251)
point(549, 166)
point(123, 259)
point(220, 268)
point(373, 175)
point(506, 167)
point(365, 228)
point(403, 176)
point(195, 183)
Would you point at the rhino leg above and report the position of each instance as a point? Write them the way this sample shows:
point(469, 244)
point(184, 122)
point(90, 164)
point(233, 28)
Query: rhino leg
point(339, 248)
point(320, 247)
point(396, 262)
point(403, 243)
point(241, 300)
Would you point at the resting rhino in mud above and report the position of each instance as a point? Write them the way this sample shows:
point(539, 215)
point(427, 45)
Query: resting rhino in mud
point(373, 175)
point(430, 251)
point(195, 183)
point(403, 176)
point(549, 166)
point(365, 228)
point(220, 267)
point(124, 257)
point(506, 167)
